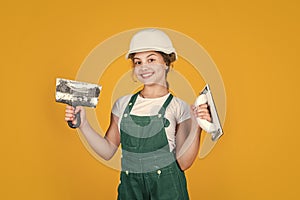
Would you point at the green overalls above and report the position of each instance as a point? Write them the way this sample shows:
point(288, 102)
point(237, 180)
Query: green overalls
point(149, 169)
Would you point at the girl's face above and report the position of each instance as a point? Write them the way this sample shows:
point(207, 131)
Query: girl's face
point(150, 68)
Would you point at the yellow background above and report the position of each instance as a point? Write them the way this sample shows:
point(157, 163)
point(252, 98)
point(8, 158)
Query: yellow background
point(255, 45)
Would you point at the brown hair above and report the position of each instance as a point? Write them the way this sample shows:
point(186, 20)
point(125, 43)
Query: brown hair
point(168, 58)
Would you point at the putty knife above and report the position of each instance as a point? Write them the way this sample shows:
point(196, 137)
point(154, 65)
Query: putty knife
point(75, 93)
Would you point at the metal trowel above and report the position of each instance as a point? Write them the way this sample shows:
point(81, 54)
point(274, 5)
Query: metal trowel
point(75, 93)
point(214, 127)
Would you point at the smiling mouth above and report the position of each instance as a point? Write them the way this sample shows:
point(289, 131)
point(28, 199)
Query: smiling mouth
point(147, 75)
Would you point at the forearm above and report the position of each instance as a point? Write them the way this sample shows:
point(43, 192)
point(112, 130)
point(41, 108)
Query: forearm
point(101, 145)
point(187, 142)
point(189, 150)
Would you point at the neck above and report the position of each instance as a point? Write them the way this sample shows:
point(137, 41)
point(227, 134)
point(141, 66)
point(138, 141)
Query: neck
point(154, 91)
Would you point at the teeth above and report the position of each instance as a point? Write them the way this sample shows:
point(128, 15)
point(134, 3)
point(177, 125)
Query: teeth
point(146, 75)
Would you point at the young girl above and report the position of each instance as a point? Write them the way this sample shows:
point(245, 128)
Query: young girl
point(158, 133)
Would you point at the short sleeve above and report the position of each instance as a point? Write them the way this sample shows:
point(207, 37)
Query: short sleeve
point(180, 110)
point(116, 109)
point(119, 105)
point(184, 112)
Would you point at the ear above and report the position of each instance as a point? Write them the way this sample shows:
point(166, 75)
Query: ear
point(167, 69)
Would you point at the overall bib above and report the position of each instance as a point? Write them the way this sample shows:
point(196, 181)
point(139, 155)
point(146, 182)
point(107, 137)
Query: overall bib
point(149, 169)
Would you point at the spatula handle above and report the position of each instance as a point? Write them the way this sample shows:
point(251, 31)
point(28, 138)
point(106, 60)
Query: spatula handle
point(204, 124)
point(78, 119)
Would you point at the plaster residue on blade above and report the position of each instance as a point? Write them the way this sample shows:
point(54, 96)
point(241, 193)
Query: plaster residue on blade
point(77, 93)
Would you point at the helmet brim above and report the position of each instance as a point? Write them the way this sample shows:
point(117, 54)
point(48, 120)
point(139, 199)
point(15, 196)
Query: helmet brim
point(150, 49)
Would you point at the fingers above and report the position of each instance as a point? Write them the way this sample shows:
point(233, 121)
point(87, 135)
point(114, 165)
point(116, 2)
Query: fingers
point(69, 113)
point(202, 112)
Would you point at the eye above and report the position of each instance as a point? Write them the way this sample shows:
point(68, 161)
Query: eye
point(150, 60)
point(137, 62)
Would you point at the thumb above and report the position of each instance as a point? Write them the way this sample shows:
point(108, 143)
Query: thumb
point(77, 109)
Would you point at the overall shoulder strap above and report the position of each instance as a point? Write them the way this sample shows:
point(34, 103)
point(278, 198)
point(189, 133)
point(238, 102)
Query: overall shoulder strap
point(132, 101)
point(165, 105)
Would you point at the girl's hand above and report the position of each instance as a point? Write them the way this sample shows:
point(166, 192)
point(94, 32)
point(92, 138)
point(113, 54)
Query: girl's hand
point(202, 112)
point(70, 115)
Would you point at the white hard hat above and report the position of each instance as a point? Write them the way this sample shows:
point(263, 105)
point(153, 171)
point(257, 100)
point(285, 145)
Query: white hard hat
point(151, 40)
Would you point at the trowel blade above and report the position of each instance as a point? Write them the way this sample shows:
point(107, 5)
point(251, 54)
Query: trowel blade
point(76, 93)
point(214, 114)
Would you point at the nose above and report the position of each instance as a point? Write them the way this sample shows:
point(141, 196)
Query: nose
point(144, 67)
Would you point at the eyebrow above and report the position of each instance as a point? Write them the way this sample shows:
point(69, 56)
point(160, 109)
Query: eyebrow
point(152, 54)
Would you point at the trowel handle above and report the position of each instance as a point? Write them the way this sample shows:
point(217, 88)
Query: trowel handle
point(204, 124)
point(77, 117)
